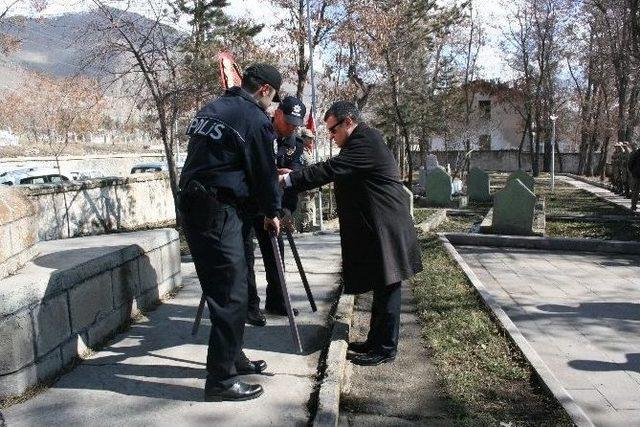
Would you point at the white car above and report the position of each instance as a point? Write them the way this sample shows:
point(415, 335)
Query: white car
point(33, 176)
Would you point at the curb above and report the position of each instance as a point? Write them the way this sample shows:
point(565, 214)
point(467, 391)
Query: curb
point(540, 367)
point(433, 221)
point(328, 410)
point(587, 181)
point(546, 243)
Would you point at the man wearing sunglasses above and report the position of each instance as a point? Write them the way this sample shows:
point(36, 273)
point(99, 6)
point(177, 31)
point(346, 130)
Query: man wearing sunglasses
point(230, 164)
point(378, 239)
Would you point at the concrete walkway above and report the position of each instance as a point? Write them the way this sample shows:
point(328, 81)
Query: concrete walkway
point(600, 192)
point(153, 374)
point(580, 311)
point(406, 392)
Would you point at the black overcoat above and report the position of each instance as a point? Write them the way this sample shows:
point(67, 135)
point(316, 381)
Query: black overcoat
point(378, 239)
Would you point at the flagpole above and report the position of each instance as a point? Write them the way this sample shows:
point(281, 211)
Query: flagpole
point(313, 102)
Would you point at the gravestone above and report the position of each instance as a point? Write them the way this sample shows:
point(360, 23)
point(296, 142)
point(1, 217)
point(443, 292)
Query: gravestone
point(438, 188)
point(524, 177)
point(410, 196)
point(430, 164)
point(478, 186)
point(513, 209)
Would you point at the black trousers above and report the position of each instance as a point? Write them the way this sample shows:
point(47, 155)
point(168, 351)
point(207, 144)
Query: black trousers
point(274, 300)
point(384, 326)
point(214, 232)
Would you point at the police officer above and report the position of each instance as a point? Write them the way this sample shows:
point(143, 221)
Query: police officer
point(287, 117)
point(230, 163)
point(307, 213)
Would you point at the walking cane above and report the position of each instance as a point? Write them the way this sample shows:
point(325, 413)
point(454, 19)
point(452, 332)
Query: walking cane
point(303, 276)
point(285, 293)
point(196, 323)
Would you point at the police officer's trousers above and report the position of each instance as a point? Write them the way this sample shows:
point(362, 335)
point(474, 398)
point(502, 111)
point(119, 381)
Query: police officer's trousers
point(214, 232)
point(275, 299)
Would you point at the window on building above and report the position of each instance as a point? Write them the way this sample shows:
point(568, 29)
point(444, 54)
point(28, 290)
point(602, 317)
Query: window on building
point(484, 142)
point(485, 109)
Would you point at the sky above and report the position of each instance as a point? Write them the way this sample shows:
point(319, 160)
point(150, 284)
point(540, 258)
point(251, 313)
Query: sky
point(490, 12)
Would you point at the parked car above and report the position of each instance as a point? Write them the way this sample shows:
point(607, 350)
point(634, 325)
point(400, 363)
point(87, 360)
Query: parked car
point(149, 167)
point(33, 176)
point(154, 167)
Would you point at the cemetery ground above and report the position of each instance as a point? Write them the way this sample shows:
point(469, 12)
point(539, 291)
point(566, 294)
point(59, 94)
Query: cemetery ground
point(470, 371)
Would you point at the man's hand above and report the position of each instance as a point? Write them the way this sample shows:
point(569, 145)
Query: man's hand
point(287, 221)
point(272, 224)
point(284, 171)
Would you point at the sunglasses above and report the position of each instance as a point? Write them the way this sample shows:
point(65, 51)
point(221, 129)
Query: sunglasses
point(333, 128)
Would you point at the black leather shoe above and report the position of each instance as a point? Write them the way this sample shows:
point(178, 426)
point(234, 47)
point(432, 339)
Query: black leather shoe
point(280, 311)
point(256, 317)
point(359, 347)
point(252, 367)
point(372, 359)
point(235, 392)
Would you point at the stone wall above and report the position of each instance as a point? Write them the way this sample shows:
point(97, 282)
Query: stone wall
point(18, 231)
point(507, 160)
point(107, 164)
point(101, 206)
point(76, 294)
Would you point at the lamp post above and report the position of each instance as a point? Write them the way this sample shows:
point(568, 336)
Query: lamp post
point(553, 118)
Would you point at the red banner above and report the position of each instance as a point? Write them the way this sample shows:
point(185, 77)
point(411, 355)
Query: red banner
point(311, 123)
point(230, 74)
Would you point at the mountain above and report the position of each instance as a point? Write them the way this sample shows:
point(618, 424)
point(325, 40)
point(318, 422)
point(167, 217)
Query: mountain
point(48, 44)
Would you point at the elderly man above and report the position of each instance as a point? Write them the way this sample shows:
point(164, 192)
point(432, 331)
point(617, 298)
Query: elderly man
point(378, 239)
point(306, 216)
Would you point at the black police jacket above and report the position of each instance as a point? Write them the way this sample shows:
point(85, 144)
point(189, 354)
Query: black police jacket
point(231, 147)
point(289, 155)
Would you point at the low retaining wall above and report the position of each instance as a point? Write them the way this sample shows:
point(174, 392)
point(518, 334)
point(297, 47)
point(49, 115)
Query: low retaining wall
point(18, 234)
point(101, 206)
point(74, 295)
point(507, 160)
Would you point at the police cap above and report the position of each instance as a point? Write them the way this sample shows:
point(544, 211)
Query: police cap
point(266, 73)
point(293, 109)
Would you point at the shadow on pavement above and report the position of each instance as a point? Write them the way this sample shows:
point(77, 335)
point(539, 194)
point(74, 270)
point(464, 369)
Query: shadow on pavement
point(632, 364)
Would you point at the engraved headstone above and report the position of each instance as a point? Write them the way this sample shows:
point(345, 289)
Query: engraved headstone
point(524, 177)
point(513, 209)
point(478, 185)
point(438, 188)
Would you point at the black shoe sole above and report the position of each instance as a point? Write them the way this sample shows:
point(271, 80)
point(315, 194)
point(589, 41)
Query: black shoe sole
point(232, 399)
point(387, 360)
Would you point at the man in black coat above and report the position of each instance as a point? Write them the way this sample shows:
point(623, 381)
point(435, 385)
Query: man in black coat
point(378, 239)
